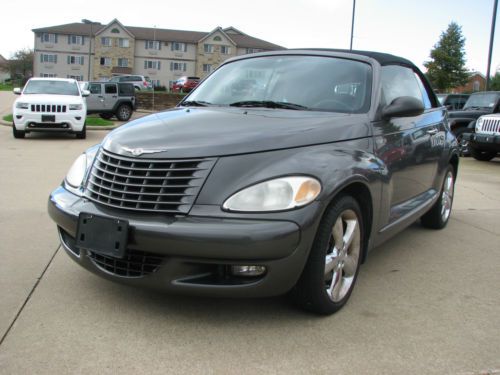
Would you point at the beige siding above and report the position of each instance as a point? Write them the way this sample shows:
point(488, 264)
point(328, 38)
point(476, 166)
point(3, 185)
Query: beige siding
point(218, 40)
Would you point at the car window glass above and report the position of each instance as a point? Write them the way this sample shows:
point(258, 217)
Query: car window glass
point(399, 81)
point(110, 89)
point(423, 91)
point(95, 88)
point(126, 89)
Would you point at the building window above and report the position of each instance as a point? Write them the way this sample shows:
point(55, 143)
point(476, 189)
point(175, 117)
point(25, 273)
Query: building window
point(208, 48)
point(178, 66)
point(207, 68)
point(180, 47)
point(150, 64)
point(48, 75)
point(48, 58)
point(153, 44)
point(122, 62)
point(156, 82)
point(49, 38)
point(476, 86)
point(78, 78)
point(123, 43)
point(106, 41)
point(217, 38)
point(253, 50)
point(106, 61)
point(225, 50)
point(76, 39)
point(115, 31)
point(76, 60)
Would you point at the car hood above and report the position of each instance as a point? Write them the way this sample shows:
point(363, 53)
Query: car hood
point(472, 114)
point(204, 132)
point(49, 99)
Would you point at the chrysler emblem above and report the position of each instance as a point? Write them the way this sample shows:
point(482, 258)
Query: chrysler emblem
point(140, 151)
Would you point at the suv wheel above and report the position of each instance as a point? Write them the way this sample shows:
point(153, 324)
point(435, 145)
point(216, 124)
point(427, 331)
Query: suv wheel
point(82, 134)
point(482, 155)
point(437, 217)
point(17, 133)
point(463, 145)
point(124, 112)
point(332, 268)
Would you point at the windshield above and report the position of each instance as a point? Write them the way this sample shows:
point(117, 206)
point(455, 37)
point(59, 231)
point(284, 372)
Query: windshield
point(291, 82)
point(51, 87)
point(482, 101)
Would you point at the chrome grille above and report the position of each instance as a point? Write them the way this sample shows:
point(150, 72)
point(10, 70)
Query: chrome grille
point(48, 108)
point(490, 125)
point(154, 185)
point(135, 264)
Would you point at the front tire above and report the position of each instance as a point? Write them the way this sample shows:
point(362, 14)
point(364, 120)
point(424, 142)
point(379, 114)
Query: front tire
point(82, 134)
point(17, 133)
point(437, 217)
point(482, 155)
point(332, 268)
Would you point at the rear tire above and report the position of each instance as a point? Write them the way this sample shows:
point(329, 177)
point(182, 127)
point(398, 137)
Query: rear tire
point(17, 133)
point(482, 155)
point(463, 145)
point(438, 216)
point(332, 268)
point(82, 134)
point(124, 112)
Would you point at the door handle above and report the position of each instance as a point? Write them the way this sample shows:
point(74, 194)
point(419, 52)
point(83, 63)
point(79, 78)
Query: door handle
point(432, 131)
point(100, 96)
point(114, 96)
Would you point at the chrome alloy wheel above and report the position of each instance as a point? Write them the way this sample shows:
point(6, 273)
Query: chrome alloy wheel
point(342, 257)
point(447, 196)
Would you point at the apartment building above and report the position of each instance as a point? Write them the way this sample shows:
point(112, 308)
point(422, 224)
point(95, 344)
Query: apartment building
point(83, 50)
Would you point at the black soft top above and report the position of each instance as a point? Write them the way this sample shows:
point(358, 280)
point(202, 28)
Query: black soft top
point(382, 58)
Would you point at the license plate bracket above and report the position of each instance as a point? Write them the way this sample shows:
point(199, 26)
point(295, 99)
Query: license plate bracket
point(48, 118)
point(103, 235)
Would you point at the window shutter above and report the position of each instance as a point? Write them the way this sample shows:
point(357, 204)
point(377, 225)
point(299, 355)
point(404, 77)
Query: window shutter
point(69, 39)
point(171, 46)
point(41, 57)
point(146, 44)
point(171, 66)
point(185, 66)
point(145, 64)
point(55, 59)
point(159, 65)
point(159, 45)
point(55, 37)
point(68, 59)
point(82, 59)
point(83, 40)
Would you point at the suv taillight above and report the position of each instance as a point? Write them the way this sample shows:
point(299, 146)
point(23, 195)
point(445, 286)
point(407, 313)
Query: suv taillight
point(145, 84)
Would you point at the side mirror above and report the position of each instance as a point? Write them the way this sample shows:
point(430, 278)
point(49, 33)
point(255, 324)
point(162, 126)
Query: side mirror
point(404, 106)
point(85, 93)
point(17, 91)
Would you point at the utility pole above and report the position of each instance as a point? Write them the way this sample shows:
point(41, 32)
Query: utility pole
point(352, 23)
point(91, 23)
point(492, 36)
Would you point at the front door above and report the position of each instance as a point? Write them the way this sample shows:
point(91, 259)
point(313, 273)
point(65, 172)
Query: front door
point(95, 101)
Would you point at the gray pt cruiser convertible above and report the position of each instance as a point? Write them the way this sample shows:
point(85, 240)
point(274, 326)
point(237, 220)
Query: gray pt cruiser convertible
point(278, 173)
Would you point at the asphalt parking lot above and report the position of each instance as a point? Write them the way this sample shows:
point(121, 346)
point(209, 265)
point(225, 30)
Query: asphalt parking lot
point(426, 302)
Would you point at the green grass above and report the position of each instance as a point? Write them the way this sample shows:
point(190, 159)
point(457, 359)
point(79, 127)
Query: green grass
point(97, 121)
point(91, 120)
point(6, 87)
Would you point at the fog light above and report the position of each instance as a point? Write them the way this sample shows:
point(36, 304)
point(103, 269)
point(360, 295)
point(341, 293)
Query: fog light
point(19, 117)
point(250, 271)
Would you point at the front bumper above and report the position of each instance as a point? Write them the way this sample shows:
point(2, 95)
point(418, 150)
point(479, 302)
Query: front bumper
point(72, 121)
point(483, 142)
point(194, 254)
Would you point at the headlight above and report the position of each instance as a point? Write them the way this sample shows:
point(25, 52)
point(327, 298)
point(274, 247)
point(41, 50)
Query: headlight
point(275, 195)
point(22, 105)
point(479, 123)
point(78, 172)
point(75, 107)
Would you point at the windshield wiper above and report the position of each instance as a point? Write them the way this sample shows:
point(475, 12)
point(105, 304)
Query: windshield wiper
point(195, 103)
point(267, 104)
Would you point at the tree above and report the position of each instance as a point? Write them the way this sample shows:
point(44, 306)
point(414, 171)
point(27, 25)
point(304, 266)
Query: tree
point(20, 65)
point(495, 82)
point(446, 69)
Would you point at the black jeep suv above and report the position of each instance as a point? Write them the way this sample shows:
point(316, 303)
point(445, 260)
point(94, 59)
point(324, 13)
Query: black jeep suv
point(464, 121)
point(283, 186)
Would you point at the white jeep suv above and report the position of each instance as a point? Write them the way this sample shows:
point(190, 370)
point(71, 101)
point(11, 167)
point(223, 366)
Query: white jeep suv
point(50, 104)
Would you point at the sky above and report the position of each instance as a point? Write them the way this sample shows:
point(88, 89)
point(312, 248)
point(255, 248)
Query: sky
point(408, 28)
